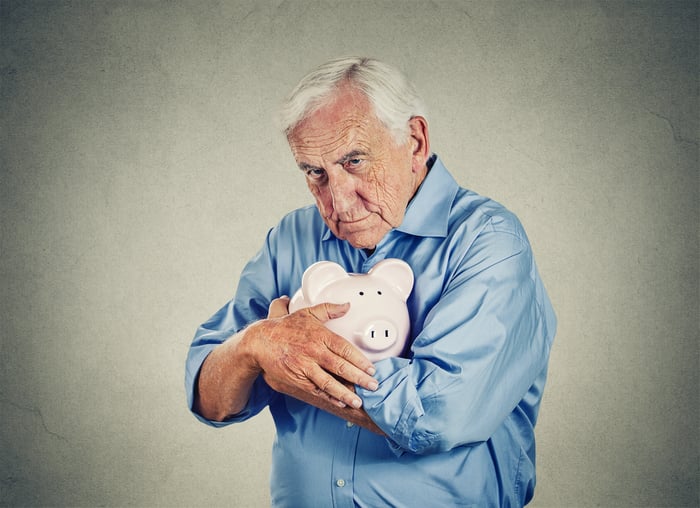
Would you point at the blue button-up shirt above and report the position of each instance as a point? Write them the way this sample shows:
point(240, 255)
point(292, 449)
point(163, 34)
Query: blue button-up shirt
point(460, 408)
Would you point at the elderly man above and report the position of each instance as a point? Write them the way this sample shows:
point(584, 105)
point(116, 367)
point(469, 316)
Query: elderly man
point(450, 422)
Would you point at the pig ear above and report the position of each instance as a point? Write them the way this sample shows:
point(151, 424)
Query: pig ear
point(317, 277)
point(397, 273)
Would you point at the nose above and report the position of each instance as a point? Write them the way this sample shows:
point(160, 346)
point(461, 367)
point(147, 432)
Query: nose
point(343, 195)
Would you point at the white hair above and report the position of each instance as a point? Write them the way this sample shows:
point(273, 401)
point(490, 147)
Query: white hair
point(393, 98)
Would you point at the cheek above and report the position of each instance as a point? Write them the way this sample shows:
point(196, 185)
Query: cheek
point(322, 197)
point(388, 195)
point(393, 194)
point(374, 189)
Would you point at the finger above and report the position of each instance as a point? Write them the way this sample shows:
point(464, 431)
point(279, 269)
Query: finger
point(349, 362)
point(352, 374)
point(306, 392)
point(343, 348)
point(327, 311)
point(278, 307)
point(344, 360)
point(328, 385)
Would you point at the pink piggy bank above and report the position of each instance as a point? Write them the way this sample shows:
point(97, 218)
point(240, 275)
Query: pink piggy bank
point(377, 322)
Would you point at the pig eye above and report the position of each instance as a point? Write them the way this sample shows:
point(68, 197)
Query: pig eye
point(379, 292)
point(362, 293)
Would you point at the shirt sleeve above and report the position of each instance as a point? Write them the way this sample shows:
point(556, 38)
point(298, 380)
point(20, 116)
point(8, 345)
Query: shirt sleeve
point(482, 347)
point(255, 291)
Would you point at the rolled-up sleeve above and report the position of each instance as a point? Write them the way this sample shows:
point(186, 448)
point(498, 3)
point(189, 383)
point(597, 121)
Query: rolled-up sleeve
point(482, 347)
point(256, 289)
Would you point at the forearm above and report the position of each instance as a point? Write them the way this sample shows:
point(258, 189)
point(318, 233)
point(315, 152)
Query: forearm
point(357, 416)
point(226, 379)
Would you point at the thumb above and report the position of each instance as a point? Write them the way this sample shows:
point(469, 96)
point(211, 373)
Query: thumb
point(326, 311)
point(278, 307)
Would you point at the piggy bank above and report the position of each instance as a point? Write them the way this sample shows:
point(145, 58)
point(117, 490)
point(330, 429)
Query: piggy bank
point(377, 322)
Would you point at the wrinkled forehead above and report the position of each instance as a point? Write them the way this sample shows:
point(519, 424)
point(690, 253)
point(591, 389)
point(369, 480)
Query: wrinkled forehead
point(346, 122)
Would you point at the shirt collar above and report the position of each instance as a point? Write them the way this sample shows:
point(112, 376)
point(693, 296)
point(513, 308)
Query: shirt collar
point(427, 214)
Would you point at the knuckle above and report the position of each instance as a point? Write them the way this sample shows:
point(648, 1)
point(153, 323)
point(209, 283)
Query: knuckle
point(288, 362)
point(341, 368)
point(345, 350)
point(326, 307)
point(326, 384)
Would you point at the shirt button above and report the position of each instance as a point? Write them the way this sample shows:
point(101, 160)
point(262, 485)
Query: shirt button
point(340, 483)
point(348, 424)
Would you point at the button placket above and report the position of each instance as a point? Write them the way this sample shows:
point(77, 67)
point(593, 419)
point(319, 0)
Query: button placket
point(342, 471)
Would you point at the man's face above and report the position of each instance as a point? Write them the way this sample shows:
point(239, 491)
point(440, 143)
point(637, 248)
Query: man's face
point(361, 178)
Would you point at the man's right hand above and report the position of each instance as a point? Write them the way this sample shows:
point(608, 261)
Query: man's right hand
point(299, 356)
point(296, 354)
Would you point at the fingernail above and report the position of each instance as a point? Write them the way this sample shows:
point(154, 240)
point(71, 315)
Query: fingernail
point(357, 403)
point(371, 371)
point(373, 385)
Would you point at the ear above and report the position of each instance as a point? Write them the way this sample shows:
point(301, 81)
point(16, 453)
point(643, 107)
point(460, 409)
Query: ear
point(420, 139)
point(397, 273)
point(317, 277)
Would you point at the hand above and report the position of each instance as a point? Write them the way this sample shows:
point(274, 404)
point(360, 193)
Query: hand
point(300, 357)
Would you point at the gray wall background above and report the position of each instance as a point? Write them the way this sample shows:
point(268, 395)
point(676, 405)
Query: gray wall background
point(141, 169)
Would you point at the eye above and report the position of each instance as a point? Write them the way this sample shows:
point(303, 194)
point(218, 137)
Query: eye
point(353, 163)
point(315, 174)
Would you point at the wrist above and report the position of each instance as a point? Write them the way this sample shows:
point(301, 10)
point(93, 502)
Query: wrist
point(251, 342)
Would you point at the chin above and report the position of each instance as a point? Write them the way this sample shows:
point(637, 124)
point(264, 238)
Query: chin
point(366, 238)
point(363, 241)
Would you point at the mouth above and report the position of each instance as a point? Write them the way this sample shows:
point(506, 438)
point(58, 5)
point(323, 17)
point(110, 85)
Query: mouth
point(363, 232)
point(351, 222)
point(349, 227)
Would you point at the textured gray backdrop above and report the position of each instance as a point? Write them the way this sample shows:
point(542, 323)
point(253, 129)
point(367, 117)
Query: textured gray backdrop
point(140, 169)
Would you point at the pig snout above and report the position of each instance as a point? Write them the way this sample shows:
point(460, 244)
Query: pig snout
point(377, 335)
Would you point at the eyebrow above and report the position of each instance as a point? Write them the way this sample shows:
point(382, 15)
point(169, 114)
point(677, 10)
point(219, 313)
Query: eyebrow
point(308, 167)
point(350, 155)
point(345, 158)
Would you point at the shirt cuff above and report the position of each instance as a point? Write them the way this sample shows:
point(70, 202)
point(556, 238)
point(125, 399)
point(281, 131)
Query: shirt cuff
point(396, 406)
